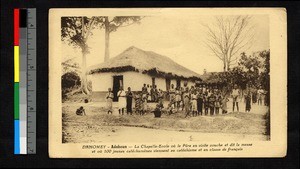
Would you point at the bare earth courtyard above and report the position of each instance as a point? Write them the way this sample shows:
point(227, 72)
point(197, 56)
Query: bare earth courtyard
point(97, 126)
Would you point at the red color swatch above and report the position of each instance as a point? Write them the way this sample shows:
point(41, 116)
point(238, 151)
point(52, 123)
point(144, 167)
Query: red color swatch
point(16, 26)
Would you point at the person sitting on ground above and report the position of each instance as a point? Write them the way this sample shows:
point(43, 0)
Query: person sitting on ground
point(157, 110)
point(80, 111)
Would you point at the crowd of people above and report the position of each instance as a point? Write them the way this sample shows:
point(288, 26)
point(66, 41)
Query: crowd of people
point(141, 99)
point(197, 101)
point(193, 101)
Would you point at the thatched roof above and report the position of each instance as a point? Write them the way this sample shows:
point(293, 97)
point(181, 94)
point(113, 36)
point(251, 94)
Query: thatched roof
point(135, 59)
point(212, 77)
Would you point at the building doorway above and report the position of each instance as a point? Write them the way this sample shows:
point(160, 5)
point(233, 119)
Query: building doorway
point(168, 84)
point(178, 85)
point(117, 83)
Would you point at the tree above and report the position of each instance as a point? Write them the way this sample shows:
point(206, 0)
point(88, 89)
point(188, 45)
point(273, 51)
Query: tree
point(76, 31)
point(265, 73)
point(228, 36)
point(251, 69)
point(70, 65)
point(112, 25)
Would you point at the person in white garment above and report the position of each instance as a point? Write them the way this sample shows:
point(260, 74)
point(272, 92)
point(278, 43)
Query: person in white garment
point(109, 100)
point(122, 100)
point(235, 95)
point(260, 94)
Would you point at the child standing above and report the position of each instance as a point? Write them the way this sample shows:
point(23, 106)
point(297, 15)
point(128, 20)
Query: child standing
point(206, 105)
point(186, 99)
point(160, 97)
point(177, 98)
point(212, 100)
point(218, 104)
point(199, 103)
point(194, 103)
point(224, 104)
point(170, 108)
point(137, 103)
point(143, 106)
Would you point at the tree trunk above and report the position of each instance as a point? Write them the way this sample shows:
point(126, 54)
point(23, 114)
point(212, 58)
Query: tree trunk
point(227, 67)
point(84, 82)
point(107, 32)
point(225, 64)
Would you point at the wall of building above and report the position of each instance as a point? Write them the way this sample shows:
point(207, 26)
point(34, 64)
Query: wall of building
point(102, 81)
point(135, 80)
point(160, 83)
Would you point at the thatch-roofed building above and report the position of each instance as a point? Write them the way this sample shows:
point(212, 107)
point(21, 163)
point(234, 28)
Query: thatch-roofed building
point(213, 78)
point(135, 67)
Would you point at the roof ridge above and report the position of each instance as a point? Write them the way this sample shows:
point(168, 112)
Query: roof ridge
point(144, 60)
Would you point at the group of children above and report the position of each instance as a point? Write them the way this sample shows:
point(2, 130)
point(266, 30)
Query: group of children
point(195, 101)
point(142, 99)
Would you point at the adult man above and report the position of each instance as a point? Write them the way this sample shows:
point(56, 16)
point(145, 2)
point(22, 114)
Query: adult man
point(129, 96)
point(260, 94)
point(235, 94)
point(186, 102)
point(109, 99)
point(122, 100)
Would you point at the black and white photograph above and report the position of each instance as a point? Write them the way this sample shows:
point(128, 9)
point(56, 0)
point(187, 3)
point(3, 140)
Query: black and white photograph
point(154, 78)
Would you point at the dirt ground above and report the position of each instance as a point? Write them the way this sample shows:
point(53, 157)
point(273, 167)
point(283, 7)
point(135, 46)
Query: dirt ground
point(98, 126)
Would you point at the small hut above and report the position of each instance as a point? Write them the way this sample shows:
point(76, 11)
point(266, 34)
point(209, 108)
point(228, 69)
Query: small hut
point(135, 67)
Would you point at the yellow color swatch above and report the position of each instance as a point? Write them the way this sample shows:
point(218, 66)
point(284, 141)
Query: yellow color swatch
point(17, 63)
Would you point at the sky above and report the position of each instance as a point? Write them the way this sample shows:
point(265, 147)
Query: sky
point(181, 39)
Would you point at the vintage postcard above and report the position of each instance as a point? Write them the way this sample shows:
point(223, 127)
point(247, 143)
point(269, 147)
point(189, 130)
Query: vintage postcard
point(167, 82)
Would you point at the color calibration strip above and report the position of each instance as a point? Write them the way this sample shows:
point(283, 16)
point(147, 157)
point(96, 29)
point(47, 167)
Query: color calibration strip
point(25, 81)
